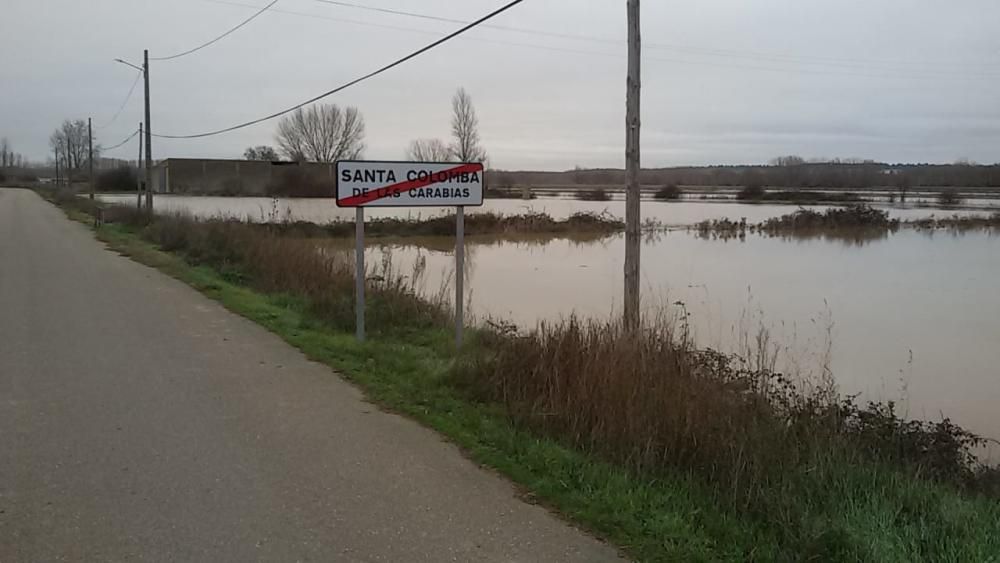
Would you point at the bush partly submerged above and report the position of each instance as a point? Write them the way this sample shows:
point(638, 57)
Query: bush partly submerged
point(851, 217)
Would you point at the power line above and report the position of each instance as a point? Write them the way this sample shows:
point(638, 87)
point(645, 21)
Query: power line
point(219, 38)
point(904, 73)
point(124, 103)
point(712, 52)
point(385, 68)
point(127, 139)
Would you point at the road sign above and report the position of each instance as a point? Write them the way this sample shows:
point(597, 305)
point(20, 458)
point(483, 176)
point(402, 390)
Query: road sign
point(409, 184)
point(362, 184)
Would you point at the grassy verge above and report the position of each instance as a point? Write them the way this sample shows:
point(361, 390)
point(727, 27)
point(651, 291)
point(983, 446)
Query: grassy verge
point(671, 453)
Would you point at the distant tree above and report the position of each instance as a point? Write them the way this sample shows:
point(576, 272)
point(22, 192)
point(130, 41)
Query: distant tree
point(322, 133)
point(261, 152)
point(753, 186)
point(428, 150)
point(71, 142)
point(903, 183)
point(791, 160)
point(465, 129)
point(7, 156)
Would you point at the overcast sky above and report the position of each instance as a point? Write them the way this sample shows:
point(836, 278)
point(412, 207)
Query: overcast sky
point(724, 81)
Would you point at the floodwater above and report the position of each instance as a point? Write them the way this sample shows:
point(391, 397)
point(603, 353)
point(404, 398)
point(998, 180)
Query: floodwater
point(680, 213)
point(912, 316)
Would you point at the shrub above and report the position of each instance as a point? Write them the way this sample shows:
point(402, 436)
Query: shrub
point(949, 197)
point(651, 401)
point(751, 192)
point(669, 192)
point(597, 194)
point(851, 217)
point(259, 256)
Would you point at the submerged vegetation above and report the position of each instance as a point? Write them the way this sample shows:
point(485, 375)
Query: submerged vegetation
point(853, 217)
point(593, 194)
point(671, 451)
point(475, 224)
point(756, 193)
point(861, 222)
point(668, 193)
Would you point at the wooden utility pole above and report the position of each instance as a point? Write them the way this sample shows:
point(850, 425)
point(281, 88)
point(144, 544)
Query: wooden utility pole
point(632, 194)
point(90, 155)
point(139, 172)
point(149, 138)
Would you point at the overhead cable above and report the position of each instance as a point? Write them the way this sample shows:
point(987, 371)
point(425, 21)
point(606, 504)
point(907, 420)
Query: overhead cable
point(217, 39)
point(372, 74)
point(127, 139)
point(122, 108)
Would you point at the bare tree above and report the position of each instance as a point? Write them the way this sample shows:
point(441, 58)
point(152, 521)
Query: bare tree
point(428, 150)
point(70, 140)
point(9, 158)
point(465, 129)
point(322, 133)
point(261, 152)
point(790, 160)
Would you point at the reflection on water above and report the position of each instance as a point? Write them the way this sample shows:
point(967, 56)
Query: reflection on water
point(847, 237)
point(906, 310)
point(680, 213)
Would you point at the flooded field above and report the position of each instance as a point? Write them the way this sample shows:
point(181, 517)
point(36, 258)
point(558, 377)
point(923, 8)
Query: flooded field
point(685, 212)
point(912, 315)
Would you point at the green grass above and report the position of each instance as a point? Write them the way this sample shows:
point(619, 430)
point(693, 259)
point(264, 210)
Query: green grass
point(860, 513)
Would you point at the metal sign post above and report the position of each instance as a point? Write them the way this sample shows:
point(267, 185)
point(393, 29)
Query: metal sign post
point(363, 184)
point(359, 273)
point(459, 274)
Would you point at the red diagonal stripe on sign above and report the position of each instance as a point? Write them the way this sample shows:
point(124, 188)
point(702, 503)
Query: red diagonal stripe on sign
point(389, 191)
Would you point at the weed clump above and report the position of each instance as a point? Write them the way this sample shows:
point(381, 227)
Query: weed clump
point(651, 401)
point(668, 192)
point(596, 194)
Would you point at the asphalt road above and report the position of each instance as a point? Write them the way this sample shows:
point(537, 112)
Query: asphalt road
point(140, 421)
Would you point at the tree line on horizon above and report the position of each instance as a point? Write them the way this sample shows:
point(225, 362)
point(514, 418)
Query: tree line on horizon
point(328, 133)
point(781, 172)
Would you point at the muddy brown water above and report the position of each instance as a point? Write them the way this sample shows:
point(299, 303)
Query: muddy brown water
point(911, 316)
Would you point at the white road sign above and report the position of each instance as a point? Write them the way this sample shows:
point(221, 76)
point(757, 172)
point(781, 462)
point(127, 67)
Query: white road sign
point(409, 184)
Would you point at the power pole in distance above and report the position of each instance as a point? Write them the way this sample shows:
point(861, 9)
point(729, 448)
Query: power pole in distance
point(139, 172)
point(149, 138)
point(632, 167)
point(90, 154)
